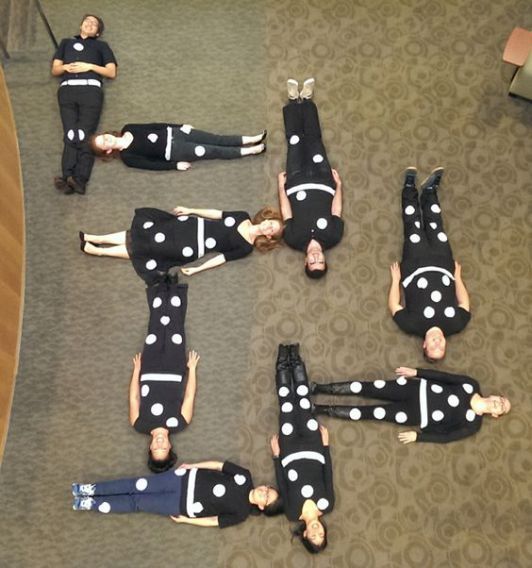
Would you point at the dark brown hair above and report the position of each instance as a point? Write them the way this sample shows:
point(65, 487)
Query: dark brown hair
point(102, 153)
point(262, 243)
point(101, 25)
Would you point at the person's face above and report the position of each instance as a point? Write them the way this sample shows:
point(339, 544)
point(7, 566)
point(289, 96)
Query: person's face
point(264, 495)
point(160, 447)
point(498, 405)
point(105, 142)
point(89, 27)
point(315, 260)
point(270, 228)
point(315, 532)
point(434, 344)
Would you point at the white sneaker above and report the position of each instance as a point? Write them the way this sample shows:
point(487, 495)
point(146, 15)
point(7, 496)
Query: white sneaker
point(308, 89)
point(292, 87)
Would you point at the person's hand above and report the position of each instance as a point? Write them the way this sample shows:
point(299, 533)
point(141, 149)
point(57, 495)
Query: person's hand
point(189, 271)
point(137, 361)
point(405, 372)
point(186, 466)
point(336, 177)
point(407, 437)
point(178, 519)
point(183, 166)
point(395, 272)
point(180, 210)
point(457, 270)
point(324, 435)
point(193, 359)
point(281, 180)
point(274, 445)
point(69, 68)
point(80, 67)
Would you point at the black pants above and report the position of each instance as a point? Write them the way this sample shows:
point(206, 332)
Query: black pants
point(80, 108)
point(200, 145)
point(306, 158)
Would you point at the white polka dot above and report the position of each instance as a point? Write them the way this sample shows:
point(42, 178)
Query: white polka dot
point(187, 251)
point(401, 417)
point(147, 225)
point(70, 134)
point(428, 312)
point(446, 281)
point(294, 139)
point(302, 390)
point(307, 491)
point(301, 195)
point(151, 339)
point(442, 237)
point(401, 381)
point(422, 283)
point(78, 46)
point(317, 158)
point(197, 507)
point(470, 415)
point(312, 425)
point(165, 320)
point(355, 414)
point(433, 225)
point(287, 429)
point(172, 422)
point(322, 504)
point(435, 208)
point(151, 264)
point(379, 413)
point(152, 137)
point(355, 386)
point(175, 301)
point(199, 151)
point(410, 210)
point(287, 407)
point(322, 223)
point(239, 479)
point(453, 400)
point(468, 388)
point(304, 403)
point(218, 490)
point(210, 243)
point(177, 338)
point(182, 218)
point(229, 221)
point(141, 484)
point(157, 302)
point(437, 415)
point(449, 312)
point(435, 296)
point(104, 507)
point(380, 384)
point(145, 390)
point(436, 388)
point(417, 224)
point(283, 391)
point(180, 471)
point(81, 135)
point(157, 409)
point(414, 238)
point(160, 237)
point(292, 475)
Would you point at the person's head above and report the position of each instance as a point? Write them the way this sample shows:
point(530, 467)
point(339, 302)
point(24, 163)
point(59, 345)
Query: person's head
point(105, 145)
point(263, 497)
point(91, 26)
point(160, 455)
point(434, 345)
point(497, 405)
point(271, 227)
point(315, 265)
point(313, 535)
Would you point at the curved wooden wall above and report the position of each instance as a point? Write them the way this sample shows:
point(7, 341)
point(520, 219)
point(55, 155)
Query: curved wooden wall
point(12, 256)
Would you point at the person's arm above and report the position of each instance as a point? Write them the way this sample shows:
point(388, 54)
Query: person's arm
point(134, 390)
point(215, 465)
point(442, 377)
point(201, 522)
point(284, 202)
point(218, 260)
point(59, 67)
point(187, 408)
point(462, 296)
point(205, 213)
point(394, 296)
point(279, 470)
point(144, 163)
point(109, 71)
point(336, 206)
point(451, 436)
point(327, 468)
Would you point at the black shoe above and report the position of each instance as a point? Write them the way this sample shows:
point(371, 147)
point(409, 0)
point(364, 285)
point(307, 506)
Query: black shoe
point(313, 387)
point(82, 236)
point(75, 185)
point(433, 181)
point(282, 357)
point(410, 176)
point(61, 185)
point(263, 137)
point(294, 354)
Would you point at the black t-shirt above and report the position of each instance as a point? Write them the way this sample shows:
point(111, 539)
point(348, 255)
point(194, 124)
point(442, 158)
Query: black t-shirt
point(151, 146)
point(89, 50)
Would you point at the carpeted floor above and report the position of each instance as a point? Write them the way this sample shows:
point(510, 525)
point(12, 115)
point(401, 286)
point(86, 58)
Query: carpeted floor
point(398, 83)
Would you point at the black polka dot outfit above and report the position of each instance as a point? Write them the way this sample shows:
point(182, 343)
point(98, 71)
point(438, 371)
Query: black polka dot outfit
point(303, 468)
point(80, 98)
point(194, 493)
point(163, 375)
point(439, 403)
point(159, 146)
point(427, 269)
point(310, 186)
point(159, 240)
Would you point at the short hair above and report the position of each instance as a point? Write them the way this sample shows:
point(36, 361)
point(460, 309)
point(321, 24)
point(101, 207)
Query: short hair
point(160, 466)
point(274, 508)
point(316, 274)
point(98, 152)
point(262, 243)
point(311, 547)
point(101, 25)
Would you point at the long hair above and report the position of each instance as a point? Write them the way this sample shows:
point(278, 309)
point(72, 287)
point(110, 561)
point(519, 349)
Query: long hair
point(312, 548)
point(98, 152)
point(262, 243)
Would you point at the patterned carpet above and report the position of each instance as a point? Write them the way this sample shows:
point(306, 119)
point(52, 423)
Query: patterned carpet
point(398, 83)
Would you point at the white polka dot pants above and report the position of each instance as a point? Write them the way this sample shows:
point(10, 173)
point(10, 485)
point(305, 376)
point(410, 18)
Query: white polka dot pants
point(200, 145)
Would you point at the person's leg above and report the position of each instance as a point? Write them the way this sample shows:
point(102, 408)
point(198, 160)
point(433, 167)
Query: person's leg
point(201, 137)
point(109, 239)
point(295, 152)
point(430, 205)
point(319, 167)
point(394, 390)
point(395, 412)
point(117, 251)
point(68, 109)
point(413, 233)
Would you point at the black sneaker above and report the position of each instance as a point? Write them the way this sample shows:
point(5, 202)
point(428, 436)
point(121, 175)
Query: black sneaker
point(433, 181)
point(75, 185)
point(410, 176)
point(61, 185)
